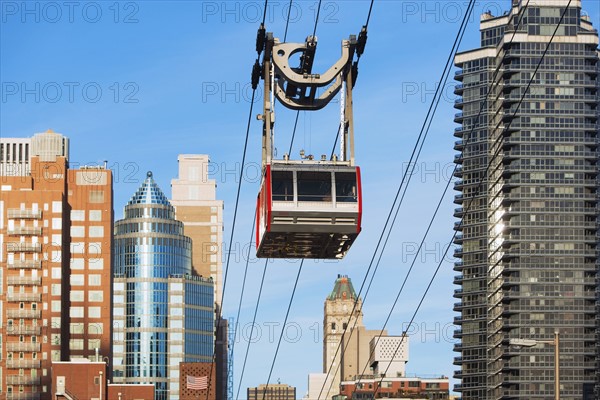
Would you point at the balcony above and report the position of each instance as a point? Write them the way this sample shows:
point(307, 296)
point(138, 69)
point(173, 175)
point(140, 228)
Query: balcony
point(458, 118)
point(15, 247)
point(24, 280)
point(28, 264)
point(22, 380)
point(23, 363)
point(458, 239)
point(23, 330)
point(24, 214)
point(19, 346)
point(23, 396)
point(18, 313)
point(458, 75)
point(458, 89)
point(17, 297)
point(25, 230)
point(459, 145)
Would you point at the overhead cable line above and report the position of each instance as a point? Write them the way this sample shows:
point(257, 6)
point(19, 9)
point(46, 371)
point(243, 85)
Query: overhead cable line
point(237, 199)
point(244, 280)
point(436, 210)
point(481, 183)
point(405, 178)
point(263, 276)
point(287, 313)
point(262, 281)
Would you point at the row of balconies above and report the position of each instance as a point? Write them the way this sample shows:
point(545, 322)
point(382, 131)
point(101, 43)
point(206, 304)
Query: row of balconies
point(23, 330)
point(23, 280)
point(22, 380)
point(27, 264)
point(23, 363)
point(22, 247)
point(21, 346)
point(25, 230)
point(24, 214)
point(23, 396)
point(25, 314)
point(18, 297)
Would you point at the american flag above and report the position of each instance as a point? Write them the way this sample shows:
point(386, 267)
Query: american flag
point(197, 383)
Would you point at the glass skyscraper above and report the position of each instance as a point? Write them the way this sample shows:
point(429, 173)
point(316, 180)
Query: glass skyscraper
point(163, 313)
point(528, 203)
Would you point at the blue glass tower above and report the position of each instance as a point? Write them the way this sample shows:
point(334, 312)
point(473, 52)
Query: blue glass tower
point(163, 314)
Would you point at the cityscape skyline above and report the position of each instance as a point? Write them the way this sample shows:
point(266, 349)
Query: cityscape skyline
point(135, 138)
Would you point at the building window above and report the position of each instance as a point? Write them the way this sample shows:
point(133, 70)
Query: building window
point(77, 215)
point(76, 344)
point(96, 231)
point(56, 305)
point(77, 280)
point(96, 196)
point(77, 295)
point(77, 263)
point(95, 215)
point(76, 312)
point(95, 296)
point(77, 231)
point(94, 280)
point(94, 312)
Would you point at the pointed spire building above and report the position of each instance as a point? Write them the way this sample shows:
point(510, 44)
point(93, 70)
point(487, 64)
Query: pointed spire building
point(163, 313)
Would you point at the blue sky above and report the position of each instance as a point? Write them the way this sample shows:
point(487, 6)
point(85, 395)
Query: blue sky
point(138, 82)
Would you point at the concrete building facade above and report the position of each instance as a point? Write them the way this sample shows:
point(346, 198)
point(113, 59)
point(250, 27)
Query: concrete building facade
point(528, 204)
point(194, 198)
point(272, 391)
point(389, 355)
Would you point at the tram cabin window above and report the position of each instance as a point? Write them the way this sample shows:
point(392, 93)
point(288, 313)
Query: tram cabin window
point(314, 186)
point(345, 187)
point(283, 185)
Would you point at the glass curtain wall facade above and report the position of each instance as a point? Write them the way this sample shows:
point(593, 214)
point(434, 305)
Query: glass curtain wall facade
point(528, 182)
point(163, 314)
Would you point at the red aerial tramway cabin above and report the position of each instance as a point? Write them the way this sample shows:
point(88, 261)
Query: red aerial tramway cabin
point(307, 208)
